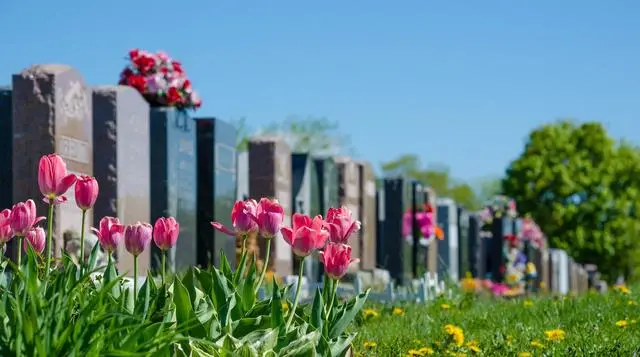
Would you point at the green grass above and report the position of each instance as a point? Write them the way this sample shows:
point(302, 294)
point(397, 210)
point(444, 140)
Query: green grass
point(507, 327)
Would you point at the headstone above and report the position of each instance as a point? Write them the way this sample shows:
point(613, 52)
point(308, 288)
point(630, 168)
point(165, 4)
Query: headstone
point(380, 220)
point(432, 255)
point(464, 252)
point(560, 271)
point(496, 245)
point(448, 250)
point(6, 149)
point(419, 250)
point(395, 252)
point(243, 176)
point(51, 113)
point(173, 182)
point(270, 176)
point(304, 200)
point(474, 246)
point(349, 196)
point(544, 274)
point(327, 173)
point(217, 188)
point(121, 162)
point(367, 208)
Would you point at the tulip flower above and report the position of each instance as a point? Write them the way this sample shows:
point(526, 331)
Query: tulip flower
point(86, 195)
point(336, 259)
point(53, 179)
point(23, 218)
point(136, 239)
point(269, 217)
point(165, 235)
point(306, 234)
point(341, 224)
point(37, 238)
point(243, 219)
point(109, 234)
point(6, 233)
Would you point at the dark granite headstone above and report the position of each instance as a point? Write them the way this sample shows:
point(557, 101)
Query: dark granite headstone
point(464, 253)
point(395, 252)
point(6, 149)
point(500, 228)
point(418, 251)
point(304, 200)
point(474, 246)
point(121, 162)
point(327, 173)
point(448, 249)
point(433, 261)
point(174, 181)
point(217, 185)
point(367, 208)
point(270, 176)
point(51, 113)
point(349, 196)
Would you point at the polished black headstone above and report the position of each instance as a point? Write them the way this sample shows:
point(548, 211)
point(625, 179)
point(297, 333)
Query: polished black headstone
point(464, 254)
point(500, 228)
point(174, 180)
point(475, 257)
point(6, 149)
point(380, 221)
point(327, 174)
point(217, 185)
point(396, 252)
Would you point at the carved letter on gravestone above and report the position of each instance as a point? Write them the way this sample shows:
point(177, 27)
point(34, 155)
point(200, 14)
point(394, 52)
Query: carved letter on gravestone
point(121, 162)
point(52, 113)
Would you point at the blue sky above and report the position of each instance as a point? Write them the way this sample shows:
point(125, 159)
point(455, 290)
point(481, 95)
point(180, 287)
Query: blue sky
point(457, 82)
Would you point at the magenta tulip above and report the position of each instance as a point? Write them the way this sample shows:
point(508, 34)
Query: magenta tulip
point(6, 233)
point(336, 259)
point(86, 192)
point(53, 179)
point(37, 238)
point(341, 224)
point(137, 237)
point(109, 234)
point(23, 217)
point(270, 216)
point(306, 234)
point(243, 219)
point(165, 232)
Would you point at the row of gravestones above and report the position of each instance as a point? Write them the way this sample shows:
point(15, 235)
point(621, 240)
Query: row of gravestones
point(143, 158)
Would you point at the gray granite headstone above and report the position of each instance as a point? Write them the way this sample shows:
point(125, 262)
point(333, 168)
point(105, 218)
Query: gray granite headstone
point(6, 145)
point(121, 162)
point(367, 203)
point(51, 113)
point(349, 196)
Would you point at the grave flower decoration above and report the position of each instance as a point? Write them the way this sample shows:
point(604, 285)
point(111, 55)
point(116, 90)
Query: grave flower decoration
point(425, 225)
point(160, 79)
point(532, 233)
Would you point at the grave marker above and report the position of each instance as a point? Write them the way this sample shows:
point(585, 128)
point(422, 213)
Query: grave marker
point(349, 196)
point(121, 162)
point(327, 173)
point(464, 252)
point(395, 251)
point(305, 200)
point(448, 250)
point(367, 209)
point(270, 176)
point(51, 113)
point(6, 148)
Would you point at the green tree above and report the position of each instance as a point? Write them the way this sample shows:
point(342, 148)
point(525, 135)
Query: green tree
point(583, 189)
point(437, 176)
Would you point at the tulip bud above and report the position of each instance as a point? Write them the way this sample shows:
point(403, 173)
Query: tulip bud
point(336, 259)
point(109, 234)
point(53, 179)
point(86, 192)
point(6, 233)
point(243, 219)
point(270, 216)
point(165, 232)
point(37, 238)
point(23, 217)
point(137, 237)
point(341, 224)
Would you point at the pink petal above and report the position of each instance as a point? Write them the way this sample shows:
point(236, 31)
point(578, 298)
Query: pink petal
point(65, 184)
point(38, 219)
point(219, 226)
point(287, 234)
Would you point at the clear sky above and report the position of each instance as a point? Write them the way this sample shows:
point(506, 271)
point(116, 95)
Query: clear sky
point(457, 82)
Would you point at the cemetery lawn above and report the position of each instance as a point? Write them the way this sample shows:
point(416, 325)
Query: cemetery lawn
point(589, 325)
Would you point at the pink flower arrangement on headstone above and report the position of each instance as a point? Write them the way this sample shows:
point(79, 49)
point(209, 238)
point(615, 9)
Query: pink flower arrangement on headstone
point(531, 232)
point(160, 79)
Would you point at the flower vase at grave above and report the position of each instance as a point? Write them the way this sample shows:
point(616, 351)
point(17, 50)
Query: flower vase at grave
point(173, 170)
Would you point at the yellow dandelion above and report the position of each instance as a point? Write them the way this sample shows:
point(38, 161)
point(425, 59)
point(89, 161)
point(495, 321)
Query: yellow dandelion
point(428, 351)
point(527, 303)
point(473, 346)
point(623, 289)
point(537, 344)
point(632, 303)
point(415, 353)
point(555, 335)
point(398, 311)
point(622, 323)
point(445, 306)
point(468, 284)
point(525, 354)
point(370, 313)
point(370, 344)
point(456, 333)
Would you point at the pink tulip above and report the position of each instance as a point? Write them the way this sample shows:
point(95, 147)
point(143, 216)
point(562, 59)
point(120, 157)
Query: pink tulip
point(270, 216)
point(37, 238)
point(243, 219)
point(86, 192)
point(341, 224)
point(165, 232)
point(137, 237)
point(336, 259)
point(109, 234)
point(53, 179)
point(306, 235)
point(23, 217)
point(6, 233)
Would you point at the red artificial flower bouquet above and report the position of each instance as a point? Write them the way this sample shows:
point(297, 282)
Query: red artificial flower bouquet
point(160, 79)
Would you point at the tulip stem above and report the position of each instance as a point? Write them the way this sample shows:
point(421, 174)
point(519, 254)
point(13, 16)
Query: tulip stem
point(20, 238)
point(333, 296)
point(264, 266)
point(109, 261)
point(164, 258)
point(295, 299)
point(49, 241)
point(84, 217)
point(135, 279)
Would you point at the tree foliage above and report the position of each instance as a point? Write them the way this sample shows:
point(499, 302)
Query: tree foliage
point(436, 176)
point(583, 189)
